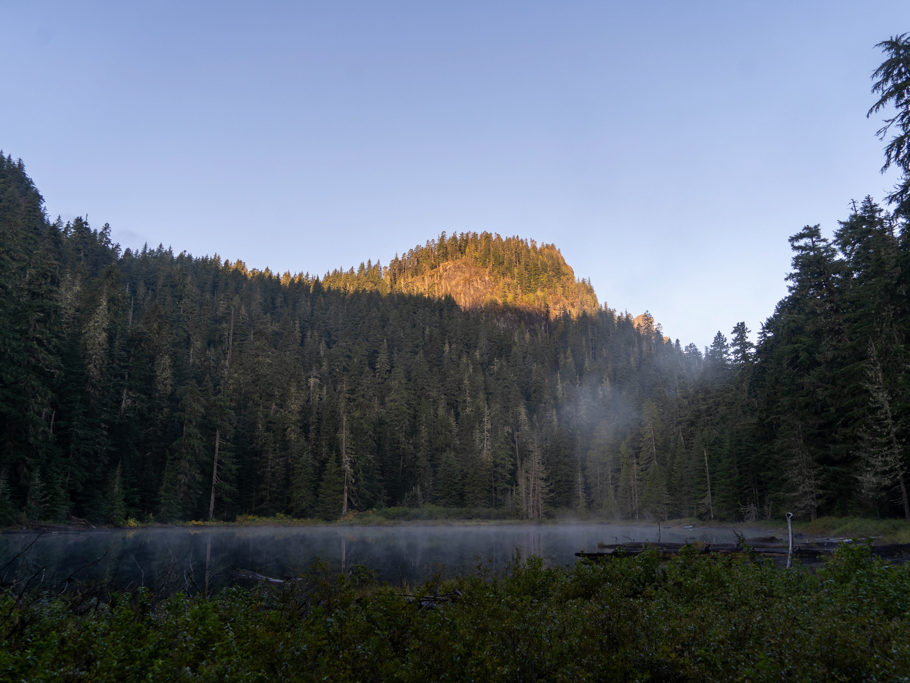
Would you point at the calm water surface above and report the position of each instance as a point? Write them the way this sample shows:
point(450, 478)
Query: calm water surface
point(207, 559)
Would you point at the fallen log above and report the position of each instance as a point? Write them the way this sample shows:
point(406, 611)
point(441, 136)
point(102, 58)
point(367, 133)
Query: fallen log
point(255, 576)
point(811, 552)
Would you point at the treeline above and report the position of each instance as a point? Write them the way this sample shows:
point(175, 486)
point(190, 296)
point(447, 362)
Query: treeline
point(832, 378)
point(822, 401)
point(153, 384)
point(825, 402)
point(149, 384)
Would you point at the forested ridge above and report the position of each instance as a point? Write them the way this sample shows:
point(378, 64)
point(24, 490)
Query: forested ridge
point(134, 381)
point(150, 384)
point(479, 270)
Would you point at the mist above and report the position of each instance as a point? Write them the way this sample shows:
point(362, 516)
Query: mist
point(193, 560)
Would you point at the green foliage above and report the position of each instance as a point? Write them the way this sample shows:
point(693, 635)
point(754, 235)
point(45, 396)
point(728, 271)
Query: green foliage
point(328, 505)
point(472, 374)
point(115, 499)
point(693, 617)
point(478, 270)
point(882, 530)
point(7, 508)
point(429, 512)
point(173, 386)
point(893, 88)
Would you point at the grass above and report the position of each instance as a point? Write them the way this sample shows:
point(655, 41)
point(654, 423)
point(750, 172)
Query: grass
point(882, 530)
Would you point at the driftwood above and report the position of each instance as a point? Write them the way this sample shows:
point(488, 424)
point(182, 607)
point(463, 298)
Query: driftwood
point(254, 576)
point(427, 601)
point(75, 524)
point(811, 552)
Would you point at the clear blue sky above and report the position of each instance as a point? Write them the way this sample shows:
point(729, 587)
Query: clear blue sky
point(667, 148)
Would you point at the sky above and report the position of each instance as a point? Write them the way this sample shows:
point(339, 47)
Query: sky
point(668, 149)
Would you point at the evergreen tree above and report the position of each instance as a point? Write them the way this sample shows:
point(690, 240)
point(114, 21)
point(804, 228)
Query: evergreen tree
point(7, 505)
point(328, 502)
point(740, 347)
point(882, 451)
point(629, 486)
point(149, 382)
point(892, 86)
point(116, 502)
point(36, 502)
point(182, 489)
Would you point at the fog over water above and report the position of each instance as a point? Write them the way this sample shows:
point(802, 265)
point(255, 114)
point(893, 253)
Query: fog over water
point(207, 559)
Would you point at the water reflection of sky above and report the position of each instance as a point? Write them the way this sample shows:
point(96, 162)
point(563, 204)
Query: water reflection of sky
point(205, 559)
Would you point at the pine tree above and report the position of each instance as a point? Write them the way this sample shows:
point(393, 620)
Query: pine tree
point(654, 497)
point(803, 489)
point(740, 346)
point(881, 452)
point(7, 505)
point(36, 502)
point(330, 490)
point(717, 356)
point(116, 501)
point(893, 88)
point(803, 356)
point(629, 487)
point(182, 489)
point(30, 361)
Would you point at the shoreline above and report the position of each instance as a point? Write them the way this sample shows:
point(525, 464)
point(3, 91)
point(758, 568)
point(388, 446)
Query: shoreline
point(831, 528)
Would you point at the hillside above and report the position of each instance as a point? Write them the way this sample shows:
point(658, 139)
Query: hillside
point(164, 386)
point(479, 271)
point(151, 385)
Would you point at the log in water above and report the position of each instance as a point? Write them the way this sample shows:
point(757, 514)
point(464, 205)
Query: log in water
point(807, 552)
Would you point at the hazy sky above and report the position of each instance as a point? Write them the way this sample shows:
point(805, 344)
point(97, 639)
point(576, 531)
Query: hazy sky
point(667, 148)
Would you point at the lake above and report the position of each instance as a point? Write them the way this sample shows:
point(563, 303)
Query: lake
point(205, 559)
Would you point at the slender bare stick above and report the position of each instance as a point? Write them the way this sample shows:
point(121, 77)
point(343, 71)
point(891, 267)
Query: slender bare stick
point(790, 535)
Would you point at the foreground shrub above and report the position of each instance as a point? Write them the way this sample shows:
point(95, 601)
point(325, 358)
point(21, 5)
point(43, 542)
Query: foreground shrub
point(694, 617)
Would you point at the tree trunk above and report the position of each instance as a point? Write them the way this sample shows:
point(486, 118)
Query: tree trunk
point(346, 470)
point(708, 479)
point(227, 365)
point(214, 475)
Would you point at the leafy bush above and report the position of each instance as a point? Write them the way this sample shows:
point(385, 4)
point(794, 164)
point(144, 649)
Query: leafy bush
point(694, 617)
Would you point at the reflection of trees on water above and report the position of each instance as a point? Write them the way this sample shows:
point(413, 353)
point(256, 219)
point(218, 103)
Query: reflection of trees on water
point(533, 545)
point(204, 560)
point(208, 559)
point(344, 547)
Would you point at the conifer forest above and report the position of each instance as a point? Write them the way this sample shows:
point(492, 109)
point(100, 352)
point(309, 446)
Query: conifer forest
point(472, 372)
